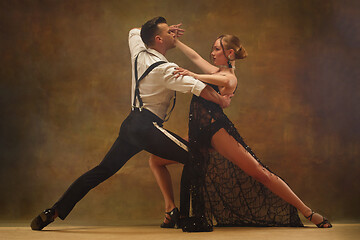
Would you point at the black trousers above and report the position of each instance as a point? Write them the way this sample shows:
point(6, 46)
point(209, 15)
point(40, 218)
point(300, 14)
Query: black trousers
point(141, 130)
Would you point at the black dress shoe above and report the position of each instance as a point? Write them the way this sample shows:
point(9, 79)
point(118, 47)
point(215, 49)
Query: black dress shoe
point(173, 220)
point(43, 219)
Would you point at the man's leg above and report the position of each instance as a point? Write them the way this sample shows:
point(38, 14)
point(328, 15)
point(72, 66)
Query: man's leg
point(145, 130)
point(165, 144)
point(119, 154)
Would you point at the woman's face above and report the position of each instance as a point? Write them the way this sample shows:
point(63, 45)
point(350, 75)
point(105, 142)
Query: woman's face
point(217, 54)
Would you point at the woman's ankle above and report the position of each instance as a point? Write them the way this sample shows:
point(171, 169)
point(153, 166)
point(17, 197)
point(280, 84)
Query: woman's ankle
point(306, 212)
point(169, 207)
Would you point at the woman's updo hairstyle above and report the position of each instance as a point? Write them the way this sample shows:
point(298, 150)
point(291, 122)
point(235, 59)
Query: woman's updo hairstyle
point(233, 42)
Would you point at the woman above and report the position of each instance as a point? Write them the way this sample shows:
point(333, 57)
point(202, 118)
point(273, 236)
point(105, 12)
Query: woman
point(224, 180)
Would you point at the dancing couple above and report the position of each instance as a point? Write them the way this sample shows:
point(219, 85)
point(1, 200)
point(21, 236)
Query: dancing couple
point(222, 180)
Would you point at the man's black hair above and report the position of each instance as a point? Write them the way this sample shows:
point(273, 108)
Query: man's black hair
point(150, 29)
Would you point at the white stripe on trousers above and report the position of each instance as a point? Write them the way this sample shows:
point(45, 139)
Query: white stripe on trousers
point(174, 139)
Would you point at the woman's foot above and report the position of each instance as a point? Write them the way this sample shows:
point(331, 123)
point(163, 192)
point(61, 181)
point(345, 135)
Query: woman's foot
point(171, 218)
point(318, 220)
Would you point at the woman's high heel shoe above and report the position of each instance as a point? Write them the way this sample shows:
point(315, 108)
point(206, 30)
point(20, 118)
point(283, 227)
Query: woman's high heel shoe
point(320, 225)
point(173, 220)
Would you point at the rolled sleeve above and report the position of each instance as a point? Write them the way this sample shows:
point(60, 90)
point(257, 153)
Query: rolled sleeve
point(184, 84)
point(198, 87)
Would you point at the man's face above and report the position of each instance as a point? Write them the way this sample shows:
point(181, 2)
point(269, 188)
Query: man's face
point(167, 36)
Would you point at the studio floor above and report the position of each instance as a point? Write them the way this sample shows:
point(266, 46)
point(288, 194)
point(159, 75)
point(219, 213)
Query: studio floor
point(339, 231)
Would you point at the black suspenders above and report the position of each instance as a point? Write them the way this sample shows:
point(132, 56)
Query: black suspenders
point(137, 80)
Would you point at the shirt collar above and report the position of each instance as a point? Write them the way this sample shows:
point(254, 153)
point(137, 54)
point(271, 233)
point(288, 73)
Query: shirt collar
point(156, 53)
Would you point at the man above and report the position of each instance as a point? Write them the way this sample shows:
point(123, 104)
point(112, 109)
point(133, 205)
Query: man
point(152, 92)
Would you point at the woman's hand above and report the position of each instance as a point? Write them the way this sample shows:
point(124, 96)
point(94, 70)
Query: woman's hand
point(183, 72)
point(177, 30)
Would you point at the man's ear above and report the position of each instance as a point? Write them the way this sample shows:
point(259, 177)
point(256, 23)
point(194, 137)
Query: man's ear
point(158, 39)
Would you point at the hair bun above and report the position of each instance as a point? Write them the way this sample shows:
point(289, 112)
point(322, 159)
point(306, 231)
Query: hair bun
point(241, 53)
point(233, 42)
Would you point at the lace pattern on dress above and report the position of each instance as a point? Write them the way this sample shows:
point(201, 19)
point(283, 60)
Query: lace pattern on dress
point(214, 191)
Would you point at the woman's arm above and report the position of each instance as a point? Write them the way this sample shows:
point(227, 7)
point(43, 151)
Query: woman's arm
point(204, 65)
point(226, 81)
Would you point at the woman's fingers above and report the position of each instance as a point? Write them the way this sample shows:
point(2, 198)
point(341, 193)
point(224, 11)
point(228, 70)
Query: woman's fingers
point(178, 69)
point(177, 30)
point(181, 72)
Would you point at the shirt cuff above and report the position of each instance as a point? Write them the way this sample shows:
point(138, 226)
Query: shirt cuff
point(198, 87)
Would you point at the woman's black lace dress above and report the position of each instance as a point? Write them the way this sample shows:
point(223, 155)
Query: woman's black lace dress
point(214, 191)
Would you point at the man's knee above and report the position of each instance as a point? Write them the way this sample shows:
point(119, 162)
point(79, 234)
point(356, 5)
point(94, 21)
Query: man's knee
point(103, 172)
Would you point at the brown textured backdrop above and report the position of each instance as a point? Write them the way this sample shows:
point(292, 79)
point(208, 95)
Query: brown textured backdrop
point(65, 89)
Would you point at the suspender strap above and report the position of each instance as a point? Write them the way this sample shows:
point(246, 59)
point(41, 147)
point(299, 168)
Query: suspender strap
point(137, 80)
point(167, 116)
point(154, 65)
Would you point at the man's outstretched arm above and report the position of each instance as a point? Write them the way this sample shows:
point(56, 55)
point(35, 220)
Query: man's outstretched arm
point(187, 84)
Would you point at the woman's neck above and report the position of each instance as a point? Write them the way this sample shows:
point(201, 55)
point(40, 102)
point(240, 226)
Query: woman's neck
point(226, 67)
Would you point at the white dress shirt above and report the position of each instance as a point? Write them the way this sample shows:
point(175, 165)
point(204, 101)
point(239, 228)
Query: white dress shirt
point(157, 88)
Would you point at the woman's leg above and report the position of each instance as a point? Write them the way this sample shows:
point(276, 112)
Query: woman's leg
point(163, 178)
point(227, 146)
